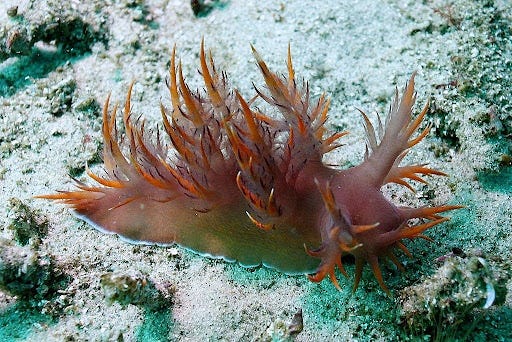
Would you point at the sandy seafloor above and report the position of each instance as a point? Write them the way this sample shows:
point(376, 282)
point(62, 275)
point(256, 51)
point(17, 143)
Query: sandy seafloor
point(355, 51)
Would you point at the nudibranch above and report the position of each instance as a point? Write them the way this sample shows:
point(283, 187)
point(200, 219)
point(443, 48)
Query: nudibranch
point(229, 181)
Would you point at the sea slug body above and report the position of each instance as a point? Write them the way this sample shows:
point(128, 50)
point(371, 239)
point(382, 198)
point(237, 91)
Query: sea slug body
point(230, 181)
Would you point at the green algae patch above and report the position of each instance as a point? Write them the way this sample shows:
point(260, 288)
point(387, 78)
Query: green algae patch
point(17, 321)
point(497, 181)
point(457, 302)
point(156, 327)
point(37, 289)
point(368, 314)
point(29, 274)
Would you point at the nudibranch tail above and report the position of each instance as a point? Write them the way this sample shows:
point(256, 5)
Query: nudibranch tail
point(140, 175)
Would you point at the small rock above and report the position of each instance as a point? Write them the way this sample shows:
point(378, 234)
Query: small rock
point(25, 222)
point(135, 288)
point(12, 11)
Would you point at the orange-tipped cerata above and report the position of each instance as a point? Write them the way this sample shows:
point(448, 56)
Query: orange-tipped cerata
point(227, 180)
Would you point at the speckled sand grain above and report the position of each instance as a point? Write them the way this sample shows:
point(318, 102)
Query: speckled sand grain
point(355, 51)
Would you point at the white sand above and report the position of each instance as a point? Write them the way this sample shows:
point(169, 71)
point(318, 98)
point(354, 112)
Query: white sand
point(356, 51)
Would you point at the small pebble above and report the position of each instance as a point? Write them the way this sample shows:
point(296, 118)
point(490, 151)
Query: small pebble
point(12, 11)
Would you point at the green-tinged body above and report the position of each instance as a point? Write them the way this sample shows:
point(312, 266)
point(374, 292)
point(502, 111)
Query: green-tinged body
point(225, 232)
